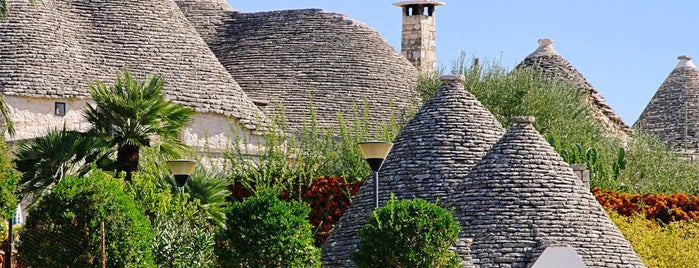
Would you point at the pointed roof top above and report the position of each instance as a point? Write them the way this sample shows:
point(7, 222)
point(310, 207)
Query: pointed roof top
point(672, 113)
point(546, 61)
point(430, 156)
point(53, 50)
point(522, 198)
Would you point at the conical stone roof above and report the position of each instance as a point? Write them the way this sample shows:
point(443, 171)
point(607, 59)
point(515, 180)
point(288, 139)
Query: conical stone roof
point(431, 155)
point(54, 48)
point(522, 197)
point(546, 61)
point(673, 112)
point(294, 56)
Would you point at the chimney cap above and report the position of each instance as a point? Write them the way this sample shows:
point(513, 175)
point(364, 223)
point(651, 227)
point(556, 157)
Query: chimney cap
point(452, 78)
point(418, 2)
point(685, 62)
point(528, 120)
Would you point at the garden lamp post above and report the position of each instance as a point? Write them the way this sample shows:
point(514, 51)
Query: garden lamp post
point(15, 219)
point(374, 152)
point(181, 169)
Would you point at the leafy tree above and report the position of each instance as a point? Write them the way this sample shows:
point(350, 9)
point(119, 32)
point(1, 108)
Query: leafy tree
point(62, 153)
point(264, 231)
point(408, 233)
point(64, 228)
point(129, 115)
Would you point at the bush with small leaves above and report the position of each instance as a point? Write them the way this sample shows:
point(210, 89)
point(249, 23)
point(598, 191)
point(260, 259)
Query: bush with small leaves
point(408, 233)
point(264, 231)
point(65, 227)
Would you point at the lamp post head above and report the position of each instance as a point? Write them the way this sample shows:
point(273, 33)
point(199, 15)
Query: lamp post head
point(374, 152)
point(181, 169)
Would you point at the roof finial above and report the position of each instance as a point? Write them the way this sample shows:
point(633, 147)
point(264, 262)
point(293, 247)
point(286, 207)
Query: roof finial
point(545, 48)
point(545, 42)
point(452, 78)
point(525, 120)
point(685, 62)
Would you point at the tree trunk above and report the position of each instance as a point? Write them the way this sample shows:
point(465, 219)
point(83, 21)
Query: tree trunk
point(127, 160)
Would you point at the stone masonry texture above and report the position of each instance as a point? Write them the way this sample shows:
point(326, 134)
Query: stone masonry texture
point(547, 62)
point(431, 155)
point(53, 49)
point(291, 57)
point(522, 197)
point(673, 112)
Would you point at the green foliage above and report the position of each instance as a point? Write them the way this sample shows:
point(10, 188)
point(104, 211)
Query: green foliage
point(9, 181)
point(309, 152)
point(652, 167)
point(639, 164)
point(408, 233)
point(182, 235)
point(263, 231)
point(43, 161)
point(129, 114)
point(64, 228)
point(668, 246)
point(7, 123)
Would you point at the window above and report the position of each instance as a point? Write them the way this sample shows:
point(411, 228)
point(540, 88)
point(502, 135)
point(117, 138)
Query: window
point(60, 108)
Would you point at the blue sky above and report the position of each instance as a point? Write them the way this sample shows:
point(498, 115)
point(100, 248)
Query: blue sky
point(624, 48)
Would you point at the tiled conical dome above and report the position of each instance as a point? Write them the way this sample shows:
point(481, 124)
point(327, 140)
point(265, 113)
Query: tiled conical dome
point(522, 197)
point(293, 56)
point(673, 113)
point(437, 147)
point(55, 48)
point(546, 61)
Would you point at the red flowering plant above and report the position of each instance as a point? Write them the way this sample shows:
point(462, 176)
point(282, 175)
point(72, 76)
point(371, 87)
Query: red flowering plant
point(328, 197)
point(659, 207)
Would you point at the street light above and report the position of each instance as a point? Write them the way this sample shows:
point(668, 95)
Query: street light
point(374, 152)
point(15, 219)
point(181, 169)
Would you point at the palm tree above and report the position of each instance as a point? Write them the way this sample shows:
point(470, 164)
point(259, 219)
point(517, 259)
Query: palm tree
point(5, 8)
point(44, 161)
point(5, 112)
point(130, 115)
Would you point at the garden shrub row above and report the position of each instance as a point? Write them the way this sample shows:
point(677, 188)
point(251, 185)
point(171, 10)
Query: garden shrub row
point(328, 197)
point(672, 245)
point(659, 207)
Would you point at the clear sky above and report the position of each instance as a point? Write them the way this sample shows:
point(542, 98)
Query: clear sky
point(624, 48)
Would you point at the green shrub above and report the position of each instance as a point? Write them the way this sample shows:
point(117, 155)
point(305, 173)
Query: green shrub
point(668, 246)
point(408, 233)
point(9, 180)
point(64, 228)
point(642, 164)
point(264, 231)
point(183, 237)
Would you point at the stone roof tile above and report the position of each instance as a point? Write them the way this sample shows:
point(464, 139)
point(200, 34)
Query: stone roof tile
point(522, 197)
point(293, 56)
point(431, 155)
point(673, 112)
point(546, 61)
point(53, 49)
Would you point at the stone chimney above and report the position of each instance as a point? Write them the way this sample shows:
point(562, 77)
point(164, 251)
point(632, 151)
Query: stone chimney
point(418, 36)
